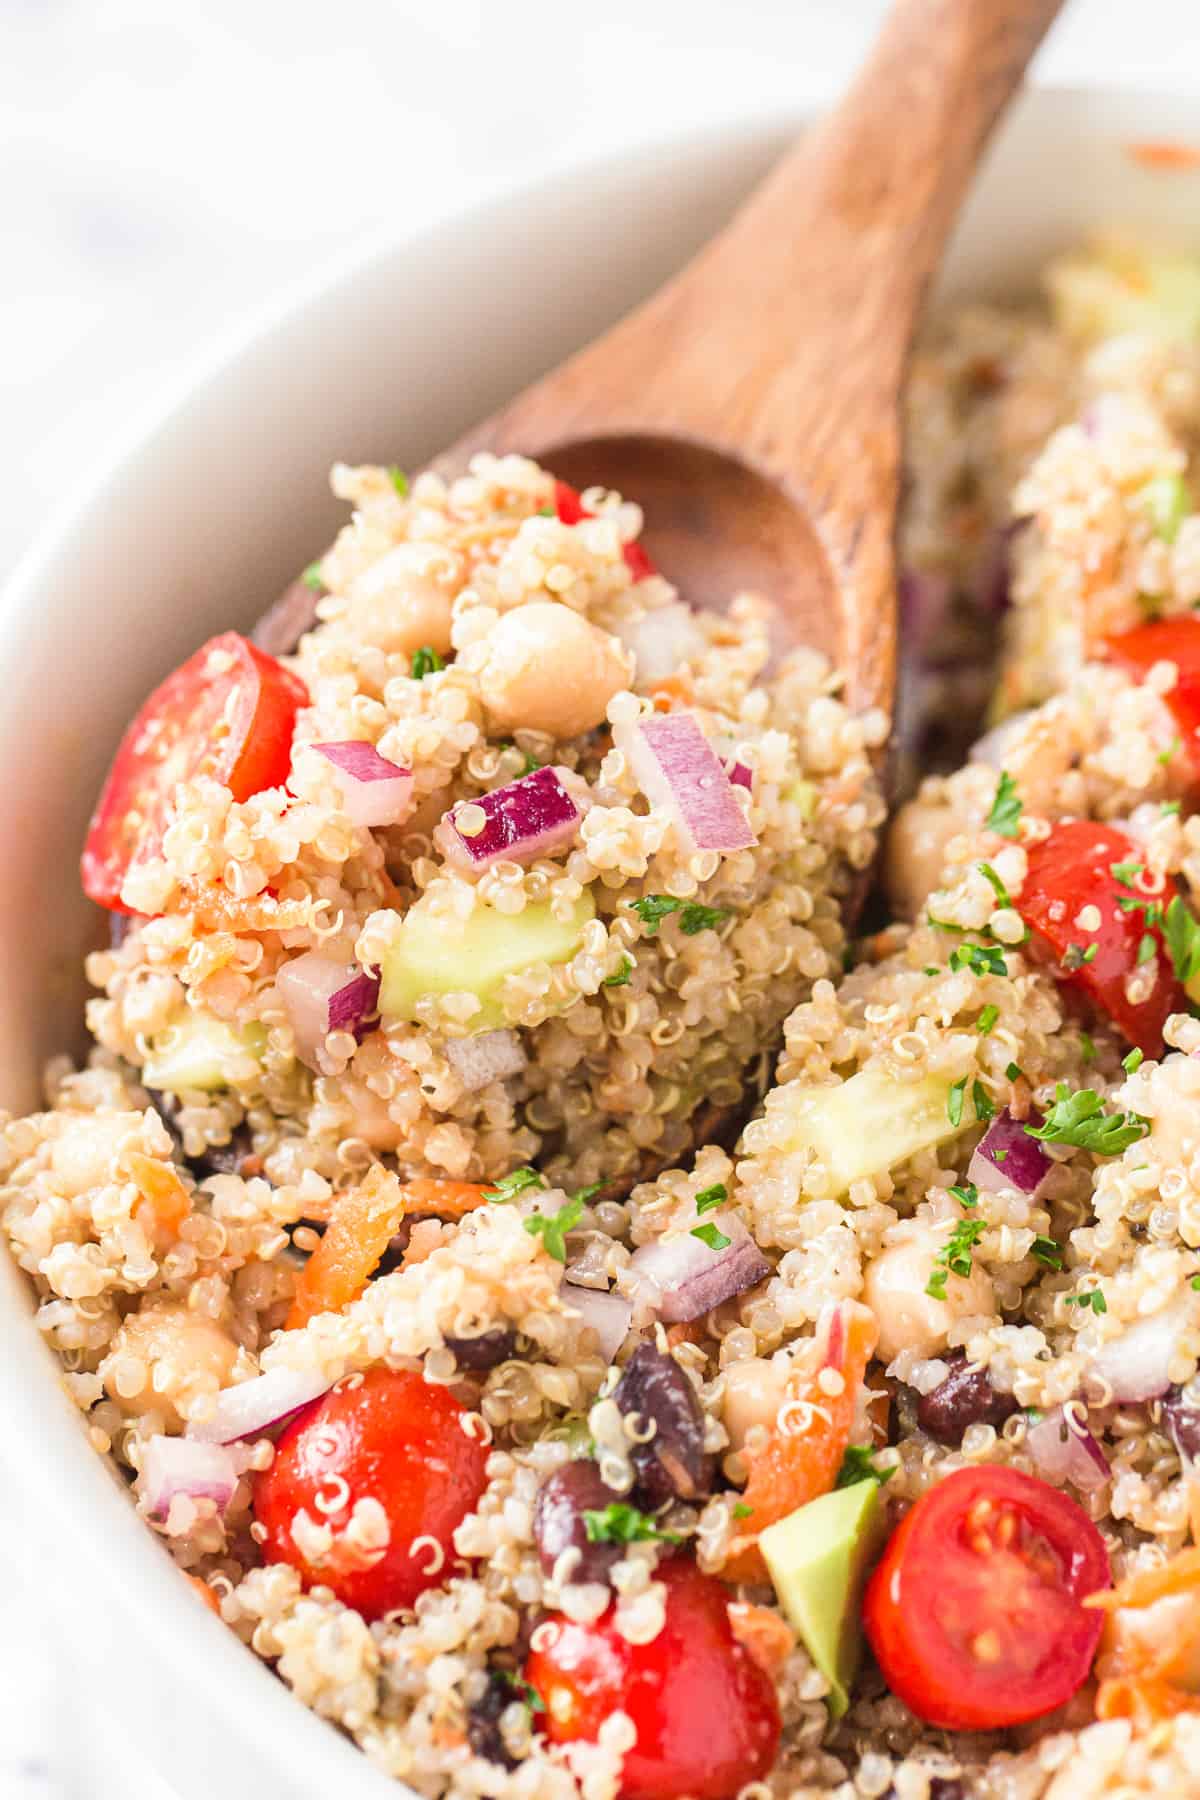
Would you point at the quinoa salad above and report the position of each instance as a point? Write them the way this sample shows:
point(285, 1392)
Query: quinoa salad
point(602, 1318)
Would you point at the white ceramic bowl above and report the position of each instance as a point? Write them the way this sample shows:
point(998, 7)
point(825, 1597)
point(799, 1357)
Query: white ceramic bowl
point(191, 529)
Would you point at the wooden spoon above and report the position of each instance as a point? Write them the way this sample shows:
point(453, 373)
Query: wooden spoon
point(752, 406)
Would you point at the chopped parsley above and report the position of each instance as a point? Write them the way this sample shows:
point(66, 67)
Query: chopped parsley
point(426, 661)
point(709, 1197)
point(932, 969)
point(545, 512)
point(399, 481)
point(966, 1193)
point(1125, 872)
point(522, 1691)
point(1147, 946)
point(1093, 1298)
point(954, 1258)
point(552, 1228)
point(621, 978)
point(1132, 1062)
point(986, 1020)
point(1182, 935)
point(943, 924)
point(858, 1464)
point(1196, 1283)
point(1169, 808)
point(509, 1186)
point(654, 908)
point(1006, 807)
point(1075, 956)
point(620, 1523)
point(710, 1235)
point(1087, 1048)
point(981, 959)
point(742, 1511)
point(1045, 1250)
point(1164, 756)
point(313, 579)
point(1080, 1120)
point(954, 1101)
point(1013, 1071)
point(984, 1105)
point(998, 887)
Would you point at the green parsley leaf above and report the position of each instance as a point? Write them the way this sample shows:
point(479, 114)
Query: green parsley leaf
point(955, 1256)
point(858, 1464)
point(1006, 807)
point(966, 1193)
point(984, 1106)
point(1080, 1120)
point(620, 1523)
point(1093, 1298)
point(981, 959)
point(1169, 808)
point(931, 969)
point(1089, 954)
point(587, 1194)
point(509, 1186)
point(935, 1287)
point(742, 1511)
point(531, 764)
point(1195, 1282)
point(522, 1691)
point(709, 1197)
point(1182, 934)
point(313, 579)
point(710, 1235)
point(621, 978)
point(986, 1020)
point(1013, 1071)
point(943, 924)
point(552, 1228)
point(1087, 1048)
point(954, 1101)
point(1045, 1250)
point(1164, 756)
point(694, 918)
point(652, 909)
point(399, 481)
point(999, 1156)
point(426, 661)
point(998, 887)
point(1126, 871)
point(1147, 947)
point(545, 512)
point(1075, 956)
point(1132, 1062)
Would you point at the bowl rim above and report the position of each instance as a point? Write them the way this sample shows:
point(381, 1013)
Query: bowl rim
point(249, 1703)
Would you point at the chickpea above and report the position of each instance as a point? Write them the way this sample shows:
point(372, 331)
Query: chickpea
point(85, 1154)
point(915, 852)
point(182, 1353)
point(404, 601)
point(550, 670)
point(908, 1317)
point(754, 1392)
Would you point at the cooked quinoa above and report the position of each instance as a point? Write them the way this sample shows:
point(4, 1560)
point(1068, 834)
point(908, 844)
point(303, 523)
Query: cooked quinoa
point(499, 1180)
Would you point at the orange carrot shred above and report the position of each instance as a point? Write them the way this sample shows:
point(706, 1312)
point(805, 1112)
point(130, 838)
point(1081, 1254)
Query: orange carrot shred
point(205, 1593)
point(765, 1635)
point(164, 1196)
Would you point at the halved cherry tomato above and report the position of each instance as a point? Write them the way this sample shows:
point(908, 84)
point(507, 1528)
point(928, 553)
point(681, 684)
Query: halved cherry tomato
point(570, 510)
point(706, 1713)
point(393, 1438)
point(228, 712)
point(1073, 869)
point(975, 1612)
point(1167, 640)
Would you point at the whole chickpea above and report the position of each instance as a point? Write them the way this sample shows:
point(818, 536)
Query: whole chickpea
point(754, 1392)
point(181, 1353)
point(915, 853)
point(908, 1317)
point(404, 601)
point(549, 670)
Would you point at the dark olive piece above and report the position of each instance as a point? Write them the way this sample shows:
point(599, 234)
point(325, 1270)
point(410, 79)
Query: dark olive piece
point(559, 1524)
point(484, 1351)
point(672, 1464)
point(965, 1397)
point(483, 1720)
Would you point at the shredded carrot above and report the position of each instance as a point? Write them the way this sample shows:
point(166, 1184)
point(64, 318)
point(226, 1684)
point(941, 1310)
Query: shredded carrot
point(1146, 1699)
point(691, 1332)
point(768, 1638)
point(672, 690)
point(804, 1452)
point(1181, 1575)
point(362, 1223)
point(205, 1593)
point(1164, 153)
point(165, 1200)
point(1142, 1685)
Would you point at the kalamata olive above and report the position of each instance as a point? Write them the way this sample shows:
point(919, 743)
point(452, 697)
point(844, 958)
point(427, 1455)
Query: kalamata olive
point(483, 1720)
point(672, 1464)
point(1183, 1423)
point(965, 1397)
point(558, 1521)
point(484, 1351)
point(285, 623)
point(941, 1787)
point(218, 1159)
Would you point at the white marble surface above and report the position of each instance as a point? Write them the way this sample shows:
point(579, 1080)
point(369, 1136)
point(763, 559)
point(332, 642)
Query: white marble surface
point(166, 167)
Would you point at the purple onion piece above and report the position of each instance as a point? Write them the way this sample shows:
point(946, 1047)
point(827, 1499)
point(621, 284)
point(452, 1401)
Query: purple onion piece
point(681, 1278)
point(374, 791)
point(607, 1313)
point(252, 1407)
point(351, 1006)
point(1007, 1157)
point(1182, 1420)
point(522, 820)
point(1066, 1451)
point(741, 775)
point(285, 623)
point(172, 1466)
point(678, 770)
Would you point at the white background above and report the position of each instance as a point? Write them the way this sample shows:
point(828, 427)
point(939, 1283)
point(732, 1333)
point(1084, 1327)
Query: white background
point(167, 166)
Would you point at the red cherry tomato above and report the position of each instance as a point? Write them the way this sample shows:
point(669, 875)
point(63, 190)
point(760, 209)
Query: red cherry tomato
point(228, 712)
point(1072, 869)
point(1167, 640)
point(570, 510)
point(974, 1612)
point(395, 1439)
point(706, 1714)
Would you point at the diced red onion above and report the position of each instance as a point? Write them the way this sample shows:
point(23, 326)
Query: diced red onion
point(285, 623)
point(1007, 1157)
point(606, 1312)
point(1065, 1450)
point(680, 1278)
point(661, 642)
point(741, 775)
point(523, 820)
point(174, 1465)
point(1136, 1366)
point(1182, 1419)
point(253, 1406)
point(488, 1056)
point(677, 768)
point(374, 791)
point(322, 994)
